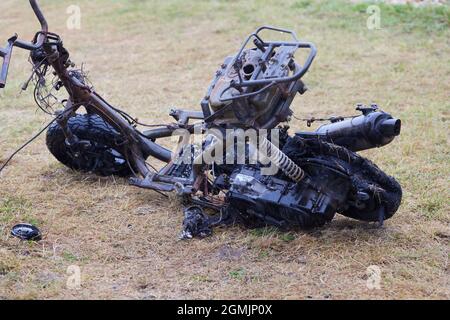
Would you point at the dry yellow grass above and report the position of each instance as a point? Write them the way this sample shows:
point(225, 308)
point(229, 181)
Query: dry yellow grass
point(148, 56)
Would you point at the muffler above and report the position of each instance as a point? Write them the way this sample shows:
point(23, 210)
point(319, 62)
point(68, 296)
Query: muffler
point(373, 129)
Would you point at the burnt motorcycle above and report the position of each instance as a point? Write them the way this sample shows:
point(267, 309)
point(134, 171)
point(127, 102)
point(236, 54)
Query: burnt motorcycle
point(318, 174)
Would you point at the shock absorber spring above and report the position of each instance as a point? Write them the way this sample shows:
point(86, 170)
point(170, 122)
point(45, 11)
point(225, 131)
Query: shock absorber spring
point(281, 160)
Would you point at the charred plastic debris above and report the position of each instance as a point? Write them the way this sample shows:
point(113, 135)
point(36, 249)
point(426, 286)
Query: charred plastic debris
point(27, 232)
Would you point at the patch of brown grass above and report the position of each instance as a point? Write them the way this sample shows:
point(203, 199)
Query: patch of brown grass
point(148, 57)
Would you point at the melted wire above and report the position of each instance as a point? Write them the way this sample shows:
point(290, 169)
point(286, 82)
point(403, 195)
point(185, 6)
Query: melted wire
point(310, 121)
point(26, 144)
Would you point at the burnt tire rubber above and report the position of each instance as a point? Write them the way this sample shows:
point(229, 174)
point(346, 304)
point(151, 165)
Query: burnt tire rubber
point(103, 157)
point(383, 191)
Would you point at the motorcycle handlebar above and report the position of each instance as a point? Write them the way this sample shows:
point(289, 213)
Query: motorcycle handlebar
point(5, 53)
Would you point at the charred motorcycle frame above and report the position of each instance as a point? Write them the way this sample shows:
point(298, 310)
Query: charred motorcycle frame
point(318, 173)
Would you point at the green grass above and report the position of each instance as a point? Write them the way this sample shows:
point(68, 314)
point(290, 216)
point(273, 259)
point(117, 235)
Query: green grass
point(13, 207)
point(288, 237)
point(264, 232)
point(429, 19)
point(238, 274)
point(273, 232)
point(334, 13)
point(70, 257)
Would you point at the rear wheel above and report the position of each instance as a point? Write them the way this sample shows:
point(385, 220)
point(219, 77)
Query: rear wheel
point(102, 156)
point(374, 195)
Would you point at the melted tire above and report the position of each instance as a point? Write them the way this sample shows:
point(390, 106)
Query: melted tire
point(384, 192)
point(103, 157)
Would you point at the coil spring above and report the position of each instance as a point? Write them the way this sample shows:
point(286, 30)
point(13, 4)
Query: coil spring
point(281, 160)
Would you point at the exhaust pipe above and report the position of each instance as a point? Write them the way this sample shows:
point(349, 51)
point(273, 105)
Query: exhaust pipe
point(373, 129)
point(391, 127)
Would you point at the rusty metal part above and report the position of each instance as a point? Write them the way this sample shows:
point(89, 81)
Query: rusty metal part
point(256, 87)
point(39, 40)
point(5, 53)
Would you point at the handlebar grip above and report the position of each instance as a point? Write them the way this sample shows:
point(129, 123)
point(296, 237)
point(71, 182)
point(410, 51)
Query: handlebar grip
point(5, 53)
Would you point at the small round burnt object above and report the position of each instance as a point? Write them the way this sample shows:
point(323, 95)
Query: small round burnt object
point(27, 232)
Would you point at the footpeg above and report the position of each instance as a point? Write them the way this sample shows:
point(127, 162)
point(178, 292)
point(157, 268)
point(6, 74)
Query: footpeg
point(148, 183)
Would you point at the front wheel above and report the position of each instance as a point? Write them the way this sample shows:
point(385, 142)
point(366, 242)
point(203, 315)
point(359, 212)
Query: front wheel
point(102, 156)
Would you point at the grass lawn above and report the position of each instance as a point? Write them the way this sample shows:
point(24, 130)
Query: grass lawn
point(149, 56)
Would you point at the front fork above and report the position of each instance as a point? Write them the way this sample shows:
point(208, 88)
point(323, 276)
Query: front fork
point(75, 145)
